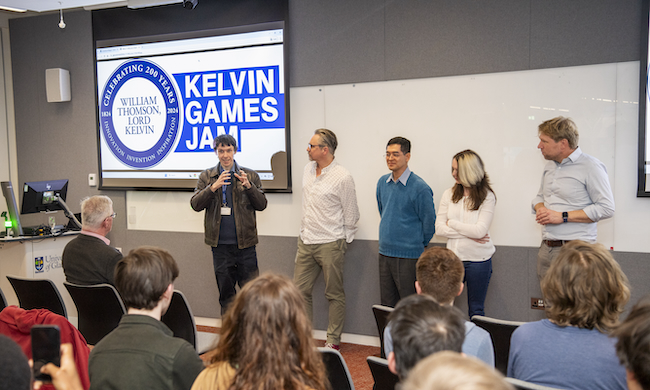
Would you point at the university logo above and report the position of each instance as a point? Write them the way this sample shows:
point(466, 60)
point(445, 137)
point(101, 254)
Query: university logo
point(38, 264)
point(139, 113)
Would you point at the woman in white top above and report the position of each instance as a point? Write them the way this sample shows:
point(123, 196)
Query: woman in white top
point(464, 217)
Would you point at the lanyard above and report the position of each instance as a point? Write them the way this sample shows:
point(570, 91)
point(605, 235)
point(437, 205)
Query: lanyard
point(224, 187)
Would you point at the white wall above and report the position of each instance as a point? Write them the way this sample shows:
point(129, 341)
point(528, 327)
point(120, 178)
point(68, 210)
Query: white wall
point(494, 114)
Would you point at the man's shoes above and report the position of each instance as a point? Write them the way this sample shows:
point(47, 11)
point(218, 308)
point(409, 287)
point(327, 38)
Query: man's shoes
point(333, 346)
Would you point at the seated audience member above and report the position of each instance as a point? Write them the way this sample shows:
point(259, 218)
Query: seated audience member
point(439, 274)
point(266, 342)
point(15, 373)
point(141, 353)
point(585, 292)
point(453, 371)
point(65, 377)
point(16, 323)
point(633, 345)
point(422, 327)
point(88, 258)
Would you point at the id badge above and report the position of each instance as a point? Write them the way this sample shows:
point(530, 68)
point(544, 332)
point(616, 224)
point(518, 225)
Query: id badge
point(225, 210)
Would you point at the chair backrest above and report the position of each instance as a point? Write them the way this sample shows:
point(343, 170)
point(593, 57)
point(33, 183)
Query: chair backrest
point(500, 332)
point(384, 378)
point(179, 318)
point(38, 294)
point(3, 300)
point(381, 318)
point(337, 371)
point(523, 385)
point(100, 309)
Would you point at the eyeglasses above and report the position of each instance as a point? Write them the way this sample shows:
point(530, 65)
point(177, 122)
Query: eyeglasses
point(310, 146)
point(112, 215)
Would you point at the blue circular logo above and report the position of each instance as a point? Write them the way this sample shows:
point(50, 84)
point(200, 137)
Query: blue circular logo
point(139, 112)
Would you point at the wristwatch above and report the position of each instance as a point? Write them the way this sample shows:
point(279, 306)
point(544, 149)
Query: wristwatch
point(565, 216)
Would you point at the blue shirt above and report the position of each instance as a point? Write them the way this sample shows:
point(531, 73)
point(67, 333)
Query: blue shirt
point(408, 215)
point(579, 182)
point(565, 357)
point(477, 343)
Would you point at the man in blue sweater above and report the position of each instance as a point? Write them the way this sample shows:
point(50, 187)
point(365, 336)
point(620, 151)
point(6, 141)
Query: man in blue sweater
point(408, 217)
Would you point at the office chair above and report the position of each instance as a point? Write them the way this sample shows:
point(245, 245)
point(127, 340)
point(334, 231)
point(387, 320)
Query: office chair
point(384, 378)
point(179, 318)
point(100, 309)
point(500, 332)
point(38, 294)
point(3, 300)
point(337, 371)
point(381, 318)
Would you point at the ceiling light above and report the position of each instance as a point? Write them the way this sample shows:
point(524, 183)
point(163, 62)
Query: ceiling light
point(61, 22)
point(5, 8)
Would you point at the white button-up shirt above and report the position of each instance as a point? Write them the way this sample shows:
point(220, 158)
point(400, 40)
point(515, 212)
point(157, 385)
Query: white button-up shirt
point(579, 182)
point(329, 205)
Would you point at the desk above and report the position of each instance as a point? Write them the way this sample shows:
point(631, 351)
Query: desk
point(21, 256)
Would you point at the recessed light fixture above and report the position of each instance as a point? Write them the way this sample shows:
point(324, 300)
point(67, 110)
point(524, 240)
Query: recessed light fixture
point(11, 9)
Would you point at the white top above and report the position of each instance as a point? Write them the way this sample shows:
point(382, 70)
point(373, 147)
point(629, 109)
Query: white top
point(329, 205)
point(460, 225)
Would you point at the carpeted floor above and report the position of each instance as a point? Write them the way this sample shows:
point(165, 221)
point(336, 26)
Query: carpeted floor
point(355, 357)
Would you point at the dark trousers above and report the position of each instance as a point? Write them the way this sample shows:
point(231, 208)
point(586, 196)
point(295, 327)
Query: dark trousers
point(233, 266)
point(396, 279)
point(477, 277)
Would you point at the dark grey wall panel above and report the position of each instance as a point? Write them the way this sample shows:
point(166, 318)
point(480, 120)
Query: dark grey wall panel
point(336, 42)
point(54, 140)
point(369, 40)
point(581, 32)
point(427, 38)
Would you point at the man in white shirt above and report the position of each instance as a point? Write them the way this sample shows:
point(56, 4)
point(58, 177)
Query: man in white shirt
point(329, 221)
point(574, 193)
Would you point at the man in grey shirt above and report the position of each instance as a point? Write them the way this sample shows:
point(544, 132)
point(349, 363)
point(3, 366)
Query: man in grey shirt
point(440, 275)
point(574, 193)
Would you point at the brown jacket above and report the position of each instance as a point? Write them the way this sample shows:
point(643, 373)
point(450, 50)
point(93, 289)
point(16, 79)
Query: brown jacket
point(245, 201)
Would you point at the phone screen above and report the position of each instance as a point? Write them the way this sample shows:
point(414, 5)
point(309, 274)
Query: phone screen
point(46, 348)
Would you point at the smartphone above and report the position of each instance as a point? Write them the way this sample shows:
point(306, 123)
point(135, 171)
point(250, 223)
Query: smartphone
point(46, 348)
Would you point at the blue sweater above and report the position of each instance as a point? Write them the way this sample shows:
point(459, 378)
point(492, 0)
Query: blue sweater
point(408, 217)
point(565, 357)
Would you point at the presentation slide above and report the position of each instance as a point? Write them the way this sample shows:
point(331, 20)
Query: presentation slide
point(162, 101)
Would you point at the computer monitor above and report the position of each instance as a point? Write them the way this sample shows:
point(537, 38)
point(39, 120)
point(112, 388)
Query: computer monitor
point(8, 193)
point(40, 196)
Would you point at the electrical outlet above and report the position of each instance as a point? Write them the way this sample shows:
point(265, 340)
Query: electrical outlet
point(92, 180)
point(537, 303)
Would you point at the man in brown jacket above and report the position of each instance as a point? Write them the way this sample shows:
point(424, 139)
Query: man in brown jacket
point(230, 195)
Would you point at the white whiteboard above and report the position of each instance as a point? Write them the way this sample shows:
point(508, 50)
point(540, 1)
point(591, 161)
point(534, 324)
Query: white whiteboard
point(494, 114)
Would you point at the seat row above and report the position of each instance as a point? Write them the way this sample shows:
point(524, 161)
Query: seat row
point(99, 307)
point(500, 332)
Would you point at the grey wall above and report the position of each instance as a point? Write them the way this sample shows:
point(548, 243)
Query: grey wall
point(331, 42)
point(357, 41)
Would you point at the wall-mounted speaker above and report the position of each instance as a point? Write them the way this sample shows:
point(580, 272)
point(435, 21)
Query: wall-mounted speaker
point(57, 85)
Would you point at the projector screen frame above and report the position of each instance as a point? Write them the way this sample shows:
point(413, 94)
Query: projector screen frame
point(643, 189)
point(283, 185)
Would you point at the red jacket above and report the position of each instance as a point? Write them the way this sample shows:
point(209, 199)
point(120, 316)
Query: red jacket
point(16, 324)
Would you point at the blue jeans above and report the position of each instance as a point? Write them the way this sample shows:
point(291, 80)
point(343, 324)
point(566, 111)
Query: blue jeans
point(233, 266)
point(477, 277)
